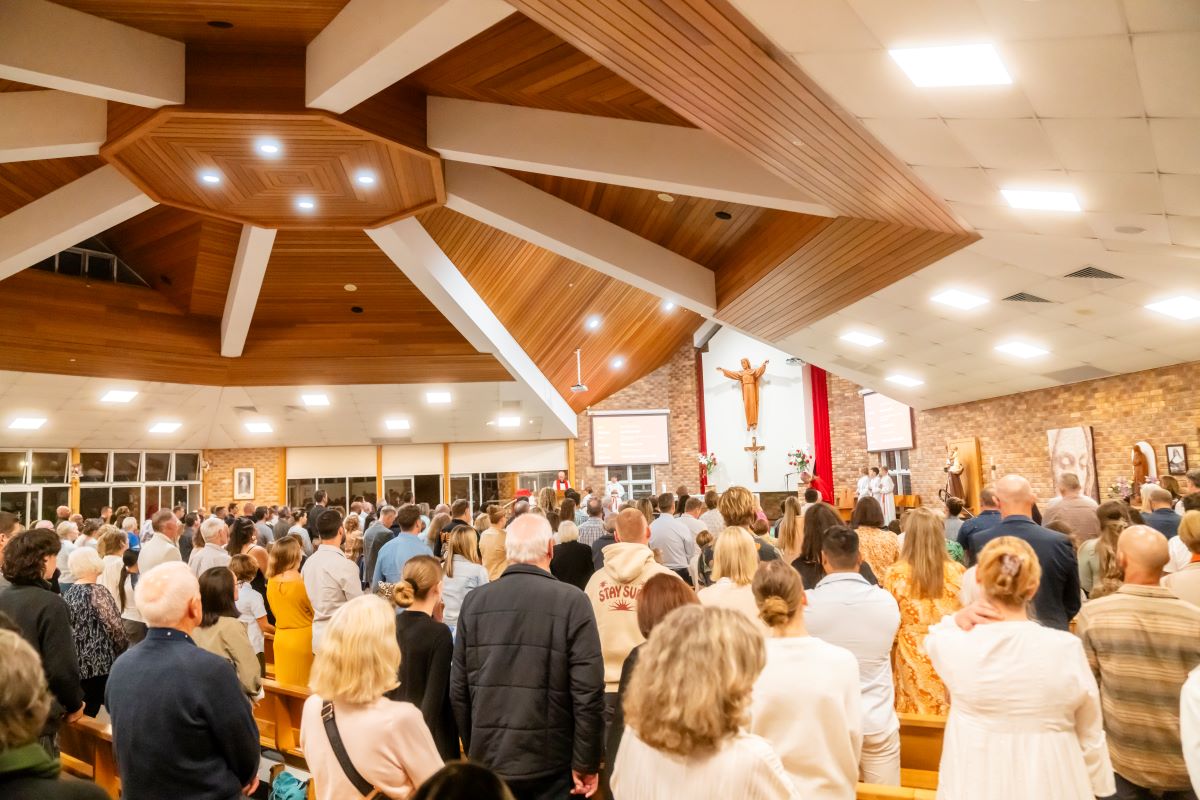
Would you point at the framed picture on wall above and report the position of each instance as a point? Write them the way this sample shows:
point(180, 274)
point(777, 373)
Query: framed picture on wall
point(243, 483)
point(1177, 459)
point(1071, 451)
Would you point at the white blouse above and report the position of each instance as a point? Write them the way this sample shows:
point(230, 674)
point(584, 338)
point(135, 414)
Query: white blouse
point(1025, 720)
point(744, 767)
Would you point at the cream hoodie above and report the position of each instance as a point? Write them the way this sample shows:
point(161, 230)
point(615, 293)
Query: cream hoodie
point(614, 591)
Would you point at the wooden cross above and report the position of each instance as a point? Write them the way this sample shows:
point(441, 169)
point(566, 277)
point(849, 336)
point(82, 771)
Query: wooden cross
point(753, 450)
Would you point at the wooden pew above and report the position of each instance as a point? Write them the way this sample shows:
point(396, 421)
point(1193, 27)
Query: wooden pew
point(87, 752)
point(920, 749)
point(279, 714)
point(873, 791)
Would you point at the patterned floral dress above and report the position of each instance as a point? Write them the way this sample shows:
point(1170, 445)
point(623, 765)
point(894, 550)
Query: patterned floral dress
point(918, 688)
point(96, 625)
point(879, 548)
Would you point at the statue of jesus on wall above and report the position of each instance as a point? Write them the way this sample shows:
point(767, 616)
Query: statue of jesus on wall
point(748, 378)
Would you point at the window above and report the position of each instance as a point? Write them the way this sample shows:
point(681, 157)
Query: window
point(126, 467)
point(363, 487)
point(34, 483)
point(536, 480)
point(187, 466)
point(12, 466)
point(300, 491)
point(897, 463)
point(149, 481)
point(393, 488)
point(94, 467)
point(95, 265)
point(637, 479)
point(49, 466)
point(158, 467)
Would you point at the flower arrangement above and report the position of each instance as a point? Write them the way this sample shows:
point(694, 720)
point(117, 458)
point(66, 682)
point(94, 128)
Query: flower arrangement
point(801, 459)
point(708, 461)
point(1120, 489)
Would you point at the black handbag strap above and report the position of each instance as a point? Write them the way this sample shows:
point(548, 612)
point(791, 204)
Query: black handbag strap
point(361, 784)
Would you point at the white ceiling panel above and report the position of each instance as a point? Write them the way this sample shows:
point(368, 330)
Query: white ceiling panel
point(867, 84)
point(1120, 192)
point(1181, 194)
point(1022, 19)
point(926, 142)
point(991, 218)
point(967, 185)
point(923, 24)
point(1175, 144)
point(1091, 77)
point(800, 26)
point(1162, 15)
point(1169, 67)
point(1102, 145)
point(1005, 143)
point(1185, 230)
point(981, 102)
point(1153, 228)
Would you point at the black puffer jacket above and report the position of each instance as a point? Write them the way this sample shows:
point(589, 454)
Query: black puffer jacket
point(527, 683)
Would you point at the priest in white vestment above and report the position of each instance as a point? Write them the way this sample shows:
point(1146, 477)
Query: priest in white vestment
point(887, 495)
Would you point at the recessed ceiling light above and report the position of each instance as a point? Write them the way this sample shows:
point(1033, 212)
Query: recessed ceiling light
point(350, 287)
point(723, 215)
point(668, 305)
point(259, 427)
point(1181, 307)
point(963, 300)
point(956, 65)
point(305, 203)
point(618, 362)
point(905, 380)
point(118, 396)
point(315, 399)
point(1040, 200)
point(666, 198)
point(1021, 349)
point(861, 339)
point(27, 423)
point(592, 323)
point(165, 427)
point(220, 24)
point(437, 398)
point(268, 147)
point(211, 177)
point(508, 422)
point(365, 178)
point(397, 424)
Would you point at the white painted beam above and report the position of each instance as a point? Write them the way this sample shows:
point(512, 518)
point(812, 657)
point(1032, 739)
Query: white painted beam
point(513, 206)
point(50, 124)
point(371, 44)
point(249, 267)
point(418, 256)
point(60, 48)
point(65, 217)
point(643, 155)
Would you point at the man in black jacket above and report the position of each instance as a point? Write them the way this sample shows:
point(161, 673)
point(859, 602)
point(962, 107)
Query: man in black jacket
point(527, 682)
point(320, 503)
point(181, 725)
point(1057, 599)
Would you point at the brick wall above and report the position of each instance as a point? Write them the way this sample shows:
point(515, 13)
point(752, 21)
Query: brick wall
point(671, 386)
point(267, 463)
point(1156, 406)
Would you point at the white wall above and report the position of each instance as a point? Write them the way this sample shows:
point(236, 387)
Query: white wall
point(783, 413)
point(412, 459)
point(507, 456)
point(330, 462)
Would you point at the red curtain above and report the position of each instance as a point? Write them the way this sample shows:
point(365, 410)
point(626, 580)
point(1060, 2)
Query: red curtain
point(703, 439)
point(822, 441)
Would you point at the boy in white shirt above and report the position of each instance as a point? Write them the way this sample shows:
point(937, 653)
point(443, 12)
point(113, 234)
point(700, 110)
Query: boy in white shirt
point(252, 611)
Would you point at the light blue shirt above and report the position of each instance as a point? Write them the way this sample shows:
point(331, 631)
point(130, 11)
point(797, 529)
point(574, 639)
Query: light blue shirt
point(467, 576)
point(389, 566)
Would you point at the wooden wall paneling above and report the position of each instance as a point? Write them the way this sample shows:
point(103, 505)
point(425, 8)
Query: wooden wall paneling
point(259, 21)
point(772, 240)
point(518, 62)
point(214, 266)
point(255, 78)
point(161, 245)
point(22, 182)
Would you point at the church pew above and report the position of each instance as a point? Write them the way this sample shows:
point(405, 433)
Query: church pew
point(920, 749)
point(873, 791)
point(269, 653)
point(280, 712)
point(87, 752)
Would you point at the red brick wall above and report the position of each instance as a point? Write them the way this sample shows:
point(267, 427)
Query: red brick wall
point(1156, 406)
point(267, 463)
point(671, 386)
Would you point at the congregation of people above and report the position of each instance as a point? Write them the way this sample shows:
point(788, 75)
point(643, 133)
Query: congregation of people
point(591, 644)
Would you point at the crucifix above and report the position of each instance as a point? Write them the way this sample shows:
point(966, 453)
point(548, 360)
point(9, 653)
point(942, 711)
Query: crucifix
point(753, 450)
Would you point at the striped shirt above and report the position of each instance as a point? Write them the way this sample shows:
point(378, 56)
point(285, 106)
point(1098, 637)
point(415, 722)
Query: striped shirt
point(1141, 643)
point(591, 530)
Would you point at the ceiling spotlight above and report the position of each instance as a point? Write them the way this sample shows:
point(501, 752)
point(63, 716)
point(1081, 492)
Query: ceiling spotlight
point(268, 147)
point(1181, 307)
point(210, 177)
point(311, 400)
point(668, 305)
point(723, 215)
point(165, 427)
point(397, 424)
point(27, 423)
point(305, 204)
point(365, 178)
point(508, 422)
point(905, 380)
point(618, 362)
point(1039, 200)
point(118, 396)
point(957, 299)
point(437, 398)
point(220, 24)
point(666, 198)
point(957, 65)
point(350, 287)
point(860, 339)
point(592, 323)
point(1021, 349)
point(259, 427)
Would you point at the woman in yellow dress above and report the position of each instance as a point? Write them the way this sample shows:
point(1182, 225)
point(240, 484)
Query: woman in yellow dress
point(925, 582)
point(293, 613)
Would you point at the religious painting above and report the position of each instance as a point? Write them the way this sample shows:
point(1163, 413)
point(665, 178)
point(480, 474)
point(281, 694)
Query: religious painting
point(1177, 459)
point(243, 483)
point(1071, 451)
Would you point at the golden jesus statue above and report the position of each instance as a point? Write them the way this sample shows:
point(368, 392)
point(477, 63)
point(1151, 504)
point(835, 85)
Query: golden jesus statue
point(749, 379)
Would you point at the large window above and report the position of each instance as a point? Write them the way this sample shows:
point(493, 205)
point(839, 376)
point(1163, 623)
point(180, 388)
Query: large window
point(33, 483)
point(142, 481)
point(425, 488)
point(637, 479)
point(341, 491)
point(897, 463)
point(536, 480)
point(481, 488)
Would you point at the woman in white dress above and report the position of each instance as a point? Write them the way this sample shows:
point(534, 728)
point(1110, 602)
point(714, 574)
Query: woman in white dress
point(1025, 719)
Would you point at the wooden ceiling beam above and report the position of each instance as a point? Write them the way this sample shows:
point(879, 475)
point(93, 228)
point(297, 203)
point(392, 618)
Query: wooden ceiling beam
point(643, 155)
point(422, 261)
point(515, 207)
point(371, 44)
point(45, 44)
point(249, 267)
point(83, 208)
point(50, 124)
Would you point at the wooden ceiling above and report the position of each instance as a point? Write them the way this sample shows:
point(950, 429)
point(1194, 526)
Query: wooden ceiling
point(543, 300)
point(23, 182)
point(258, 21)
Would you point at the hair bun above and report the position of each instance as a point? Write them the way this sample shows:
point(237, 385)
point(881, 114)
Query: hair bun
point(774, 611)
point(403, 594)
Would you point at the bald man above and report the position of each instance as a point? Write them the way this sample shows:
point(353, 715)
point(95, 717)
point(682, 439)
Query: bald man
point(1141, 642)
point(1057, 599)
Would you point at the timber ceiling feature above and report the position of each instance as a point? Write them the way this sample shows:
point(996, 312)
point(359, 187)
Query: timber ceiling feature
point(241, 21)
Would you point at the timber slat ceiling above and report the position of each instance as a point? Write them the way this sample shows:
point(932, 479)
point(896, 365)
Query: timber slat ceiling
point(267, 21)
point(22, 182)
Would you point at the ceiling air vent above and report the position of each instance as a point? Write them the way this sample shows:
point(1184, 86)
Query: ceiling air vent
point(1095, 273)
point(1025, 297)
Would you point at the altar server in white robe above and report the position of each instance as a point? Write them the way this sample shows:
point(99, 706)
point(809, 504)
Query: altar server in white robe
point(863, 489)
point(1026, 720)
point(886, 495)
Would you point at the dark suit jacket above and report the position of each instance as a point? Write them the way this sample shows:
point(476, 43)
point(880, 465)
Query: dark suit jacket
point(974, 527)
point(1057, 599)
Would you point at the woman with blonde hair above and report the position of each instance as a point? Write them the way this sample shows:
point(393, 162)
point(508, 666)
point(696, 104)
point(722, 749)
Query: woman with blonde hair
point(791, 530)
point(386, 742)
point(807, 701)
point(464, 571)
point(1185, 582)
point(647, 508)
point(697, 745)
point(437, 534)
point(293, 612)
point(737, 507)
point(1009, 736)
point(926, 583)
point(426, 648)
point(492, 551)
point(735, 560)
point(111, 546)
point(1099, 573)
